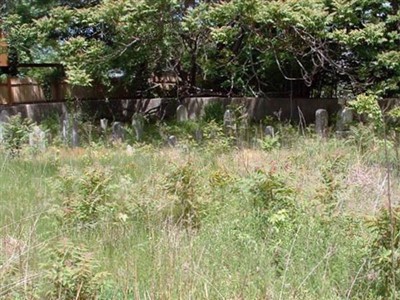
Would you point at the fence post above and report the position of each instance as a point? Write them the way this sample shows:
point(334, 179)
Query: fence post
point(9, 88)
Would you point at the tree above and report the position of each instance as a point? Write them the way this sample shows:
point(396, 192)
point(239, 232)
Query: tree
point(236, 47)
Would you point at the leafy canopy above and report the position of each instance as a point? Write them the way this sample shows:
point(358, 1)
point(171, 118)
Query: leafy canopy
point(238, 46)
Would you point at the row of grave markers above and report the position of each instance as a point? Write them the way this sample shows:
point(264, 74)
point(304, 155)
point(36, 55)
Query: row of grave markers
point(70, 133)
point(344, 120)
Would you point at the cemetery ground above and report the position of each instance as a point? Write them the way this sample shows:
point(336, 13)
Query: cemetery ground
point(217, 216)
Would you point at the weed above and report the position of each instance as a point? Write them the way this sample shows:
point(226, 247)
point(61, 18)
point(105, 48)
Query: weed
point(269, 143)
point(385, 265)
point(214, 112)
point(182, 187)
point(272, 200)
point(85, 197)
point(70, 273)
point(16, 133)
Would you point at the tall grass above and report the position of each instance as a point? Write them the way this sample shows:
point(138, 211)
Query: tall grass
point(306, 239)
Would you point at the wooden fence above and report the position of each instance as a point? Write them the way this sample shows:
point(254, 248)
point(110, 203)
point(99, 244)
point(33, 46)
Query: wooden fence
point(16, 90)
point(20, 90)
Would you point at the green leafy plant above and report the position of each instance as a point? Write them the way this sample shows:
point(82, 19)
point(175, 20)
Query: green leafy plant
point(214, 112)
point(362, 138)
point(269, 143)
point(216, 140)
point(384, 252)
point(327, 194)
point(16, 133)
point(367, 105)
point(272, 200)
point(70, 273)
point(181, 185)
point(85, 197)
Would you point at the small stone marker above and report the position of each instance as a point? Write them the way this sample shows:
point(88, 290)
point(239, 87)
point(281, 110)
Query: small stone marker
point(244, 134)
point(65, 129)
point(138, 125)
point(129, 150)
point(345, 118)
point(69, 132)
point(321, 122)
point(37, 138)
point(104, 124)
point(125, 104)
point(182, 113)
point(172, 141)
point(75, 133)
point(4, 116)
point(117, 132)
point(228, 118)
point(3, 119)
point(198, 135)
point(269, 131)
point(229, 121)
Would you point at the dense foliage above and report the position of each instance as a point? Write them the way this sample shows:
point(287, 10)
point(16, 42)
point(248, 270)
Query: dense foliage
point(252, 47)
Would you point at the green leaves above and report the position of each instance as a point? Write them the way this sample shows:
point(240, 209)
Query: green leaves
point(227, 46)
point(368, 106)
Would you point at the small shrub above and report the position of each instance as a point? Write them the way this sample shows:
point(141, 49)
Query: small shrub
point(269, 143)
point(214, 112)
point(272, 200)
point(16, 133)
point(51, 124)
point(328, 193)
point(215, 138)
point(181, 184)
point(85, 197)
point(384, 263)
point(70, 273)
point(367, 106)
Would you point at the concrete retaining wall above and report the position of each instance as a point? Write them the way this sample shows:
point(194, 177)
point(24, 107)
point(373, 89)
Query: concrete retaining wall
point(259, 108)
point(122, 110)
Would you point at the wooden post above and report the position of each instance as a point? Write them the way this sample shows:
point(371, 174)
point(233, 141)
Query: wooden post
point(10, 91)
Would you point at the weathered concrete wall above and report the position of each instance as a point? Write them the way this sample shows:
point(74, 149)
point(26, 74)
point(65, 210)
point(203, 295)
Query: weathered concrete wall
point(122, 110)
point(259, 108)
point(118, 110)
point(36, 111)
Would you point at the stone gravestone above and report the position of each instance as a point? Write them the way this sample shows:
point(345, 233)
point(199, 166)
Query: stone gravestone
point(117, 132)
point(198, 135)
point(269, 131)
point(182, 113)
point(244, 120)
point(125, 104)
point(229, 121)
point(344, 120)
point(172, 141)
point(321, 122)
point(65, 131)
point(104, 125)
point(37, 139)
point(4, 116)
point(138, 125)
point(69, 132)
point(75, 133)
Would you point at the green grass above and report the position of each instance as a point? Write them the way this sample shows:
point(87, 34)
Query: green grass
point(183, 223)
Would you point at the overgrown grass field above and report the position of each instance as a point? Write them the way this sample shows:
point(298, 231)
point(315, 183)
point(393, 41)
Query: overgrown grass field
point(296, 217)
